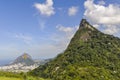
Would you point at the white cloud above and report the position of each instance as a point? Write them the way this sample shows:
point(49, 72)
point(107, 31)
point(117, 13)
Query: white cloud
point(24, 38)
point(103, 15)
point(96, 25)
point(67, 32)
point(101, 2)
point(72, 11)
point(64, 29)
point(46, 8)
point(110, 29)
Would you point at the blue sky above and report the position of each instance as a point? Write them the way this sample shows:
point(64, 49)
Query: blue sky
point(43, 28)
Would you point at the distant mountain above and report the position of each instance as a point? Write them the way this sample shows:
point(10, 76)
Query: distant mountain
point(90, 55)
point(25, 59)
point(23, 63)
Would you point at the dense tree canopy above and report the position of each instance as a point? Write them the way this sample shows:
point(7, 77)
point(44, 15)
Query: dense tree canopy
point(91, 55)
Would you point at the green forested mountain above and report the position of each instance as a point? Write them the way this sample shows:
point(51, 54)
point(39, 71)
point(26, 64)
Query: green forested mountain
point(90, 55)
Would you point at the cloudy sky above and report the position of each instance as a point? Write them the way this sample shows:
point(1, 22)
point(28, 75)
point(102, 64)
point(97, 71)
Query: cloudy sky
point(43, 28)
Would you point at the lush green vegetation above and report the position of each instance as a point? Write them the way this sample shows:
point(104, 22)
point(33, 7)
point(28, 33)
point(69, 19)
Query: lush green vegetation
point(12, 78)
point(17, 76)
point(91, 55)
point(8, 78)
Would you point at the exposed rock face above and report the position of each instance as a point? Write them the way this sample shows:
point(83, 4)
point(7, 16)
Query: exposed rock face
point(85, 24)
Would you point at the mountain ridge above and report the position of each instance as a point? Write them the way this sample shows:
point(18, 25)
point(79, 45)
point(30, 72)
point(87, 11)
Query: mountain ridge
point(90, 54)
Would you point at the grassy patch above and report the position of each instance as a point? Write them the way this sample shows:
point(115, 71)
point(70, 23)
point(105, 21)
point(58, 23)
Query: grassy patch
point(12, 78)
point(9, 78)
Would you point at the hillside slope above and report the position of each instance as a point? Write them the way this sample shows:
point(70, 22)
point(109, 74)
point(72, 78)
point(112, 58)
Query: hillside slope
point(90, 55)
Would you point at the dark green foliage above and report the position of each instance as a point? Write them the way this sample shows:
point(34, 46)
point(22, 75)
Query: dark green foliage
point(91, 55)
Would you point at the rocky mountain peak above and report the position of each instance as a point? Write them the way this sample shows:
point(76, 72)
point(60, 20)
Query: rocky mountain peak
point(84, 33)
point(85, 24)
point(24, 58)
